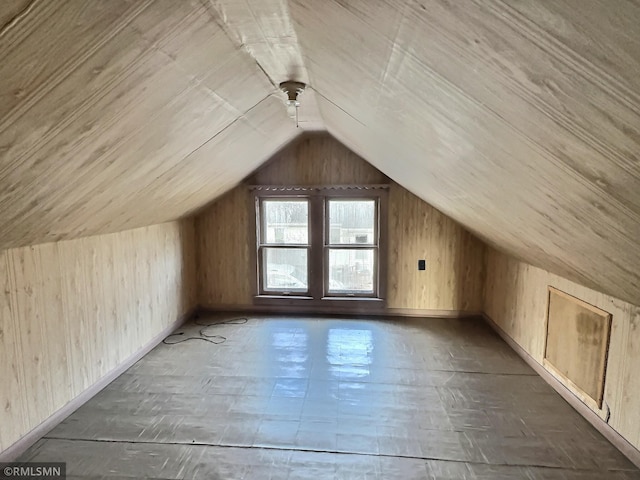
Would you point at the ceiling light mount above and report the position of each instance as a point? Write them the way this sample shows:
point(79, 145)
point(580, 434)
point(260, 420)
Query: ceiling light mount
point(293, 90)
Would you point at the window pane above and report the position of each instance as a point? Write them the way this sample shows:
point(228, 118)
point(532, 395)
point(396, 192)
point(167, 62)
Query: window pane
point(351, 270)
point(352, 221)
point(285, 221)
point(285, 269)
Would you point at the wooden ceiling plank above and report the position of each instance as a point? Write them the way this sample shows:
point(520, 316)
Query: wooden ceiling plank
point(206, 53)
point(109, 75)
point(118, 109)
point(626, 164)
point(468, 139)
point(604, 36)
point(17, 22)
point(165, 140)
point(235, 150)
point(179, 189)
point(467, 119)
point(104, 123)
point(107, 172)
point(76, 30)
point(119, 60)
point(494, 218)
point(511, 96)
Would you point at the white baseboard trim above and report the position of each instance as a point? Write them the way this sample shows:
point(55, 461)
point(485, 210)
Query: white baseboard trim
point(19, 447)
point(607, 431)
point(384, 312)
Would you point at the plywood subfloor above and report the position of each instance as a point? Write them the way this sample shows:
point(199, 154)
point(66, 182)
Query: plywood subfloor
point(326, 398)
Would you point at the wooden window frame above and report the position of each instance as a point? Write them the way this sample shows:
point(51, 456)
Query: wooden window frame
point(262, 244)
point(318, 296)
point(328, 246)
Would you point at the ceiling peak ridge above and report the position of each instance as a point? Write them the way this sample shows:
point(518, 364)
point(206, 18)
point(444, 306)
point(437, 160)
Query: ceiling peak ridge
point(265, 30)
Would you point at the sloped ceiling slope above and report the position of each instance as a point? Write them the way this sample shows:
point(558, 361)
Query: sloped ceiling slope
point(122, 113)
point(518, 118)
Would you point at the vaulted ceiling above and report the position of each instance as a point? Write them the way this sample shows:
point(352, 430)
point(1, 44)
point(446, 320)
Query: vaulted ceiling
point(518, 118)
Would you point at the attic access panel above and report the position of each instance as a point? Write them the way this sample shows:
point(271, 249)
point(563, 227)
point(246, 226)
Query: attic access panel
point(577, 344)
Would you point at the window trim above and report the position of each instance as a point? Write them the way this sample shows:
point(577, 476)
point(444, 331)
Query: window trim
point(318, 296)
point(327, 246)
point(262, 245)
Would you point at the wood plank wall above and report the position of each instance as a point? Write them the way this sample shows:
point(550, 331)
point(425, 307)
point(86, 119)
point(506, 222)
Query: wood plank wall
point(454, 276)
point(71, 312)
point(455, 259)
point(516, 300)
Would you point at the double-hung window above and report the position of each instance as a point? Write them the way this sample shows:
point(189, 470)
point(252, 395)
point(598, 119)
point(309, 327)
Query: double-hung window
point(351, 246)
point(283, 248)
point(319, 243)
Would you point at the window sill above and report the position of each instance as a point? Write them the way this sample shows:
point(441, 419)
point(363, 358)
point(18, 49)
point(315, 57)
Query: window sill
point(282, 297)
point(352, 299)
point(305, 304)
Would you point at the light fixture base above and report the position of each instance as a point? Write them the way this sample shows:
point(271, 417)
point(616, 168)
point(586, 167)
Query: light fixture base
point(292, 90)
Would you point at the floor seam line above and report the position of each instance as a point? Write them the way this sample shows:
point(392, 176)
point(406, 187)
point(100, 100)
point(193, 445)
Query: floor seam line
point(332, 452)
